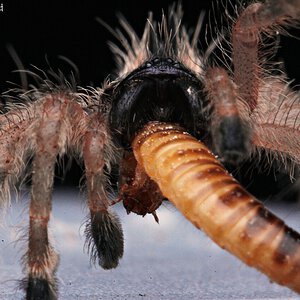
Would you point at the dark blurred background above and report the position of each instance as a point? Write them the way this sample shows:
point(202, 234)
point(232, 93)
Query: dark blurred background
point(52, 28)
point(43, 30)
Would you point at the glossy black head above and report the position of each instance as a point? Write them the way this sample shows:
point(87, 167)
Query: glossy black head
point(160, 90)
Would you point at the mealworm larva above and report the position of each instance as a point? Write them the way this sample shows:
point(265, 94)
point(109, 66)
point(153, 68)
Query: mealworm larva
point(191, 177)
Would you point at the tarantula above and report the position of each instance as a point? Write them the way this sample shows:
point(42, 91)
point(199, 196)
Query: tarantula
point(162, 76)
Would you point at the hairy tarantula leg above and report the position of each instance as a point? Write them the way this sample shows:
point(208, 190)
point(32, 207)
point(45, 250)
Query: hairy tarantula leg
point(230, 133)
point(42, 260)
point(16, 144)
point(245, 40)
point(104, 236)
point(276, 121)
point(11, 159)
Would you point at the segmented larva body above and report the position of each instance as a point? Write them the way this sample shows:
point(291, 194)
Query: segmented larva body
point(190, 176)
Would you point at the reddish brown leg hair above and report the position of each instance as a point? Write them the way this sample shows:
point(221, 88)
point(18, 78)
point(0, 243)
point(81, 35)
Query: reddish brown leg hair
point(245, 41)
point(42, 260)
point(274, 117)
point(59, 122)
point(230, 130)
point(230, 133)
point(104, 236)
point(276, 122)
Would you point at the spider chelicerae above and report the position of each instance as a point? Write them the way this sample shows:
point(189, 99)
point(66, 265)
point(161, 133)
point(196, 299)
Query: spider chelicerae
point(238, 110)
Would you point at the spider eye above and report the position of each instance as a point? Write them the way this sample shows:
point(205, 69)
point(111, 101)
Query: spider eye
point(160, 90)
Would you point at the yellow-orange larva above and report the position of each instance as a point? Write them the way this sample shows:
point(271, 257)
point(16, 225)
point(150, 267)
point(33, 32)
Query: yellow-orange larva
point(190, 176)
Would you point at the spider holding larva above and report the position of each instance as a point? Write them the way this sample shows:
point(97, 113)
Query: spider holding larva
point(241, 109)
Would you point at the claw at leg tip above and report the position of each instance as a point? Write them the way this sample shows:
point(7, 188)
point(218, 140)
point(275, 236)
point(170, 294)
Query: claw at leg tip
point(155, 217)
